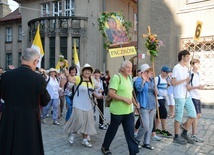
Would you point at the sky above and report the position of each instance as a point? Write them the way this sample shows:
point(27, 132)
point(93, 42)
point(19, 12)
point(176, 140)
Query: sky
point(13, 5)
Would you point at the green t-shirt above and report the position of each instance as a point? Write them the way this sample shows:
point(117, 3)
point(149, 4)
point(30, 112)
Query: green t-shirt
point(123, 87)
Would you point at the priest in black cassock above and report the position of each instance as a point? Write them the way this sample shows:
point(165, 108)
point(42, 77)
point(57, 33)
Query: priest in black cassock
point(23, 91)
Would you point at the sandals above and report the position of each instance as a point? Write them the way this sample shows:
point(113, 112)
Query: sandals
point(148, 146)
point(106, 152)
point(171, 116)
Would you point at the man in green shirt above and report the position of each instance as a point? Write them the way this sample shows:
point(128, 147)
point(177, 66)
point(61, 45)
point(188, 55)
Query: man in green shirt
point(121, 109)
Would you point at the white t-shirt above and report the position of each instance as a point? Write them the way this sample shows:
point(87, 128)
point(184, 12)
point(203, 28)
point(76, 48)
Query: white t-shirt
point(194, 93)
point(81, 99)
point(180, 73)
point(162, 87)
point(53, 87)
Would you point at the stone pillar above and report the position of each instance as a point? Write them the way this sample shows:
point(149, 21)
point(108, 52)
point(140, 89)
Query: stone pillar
point(69, 43)
point(46, 45)
point(57, 41)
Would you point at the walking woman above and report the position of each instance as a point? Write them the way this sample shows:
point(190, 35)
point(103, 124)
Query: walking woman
point(68, 92)
point(146, 97)
point(99, 90)
point(53, 89)
point(82, 119)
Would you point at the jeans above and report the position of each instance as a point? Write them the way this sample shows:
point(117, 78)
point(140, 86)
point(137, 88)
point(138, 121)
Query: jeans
point(146, 130)
point(69, 103)
point(128, 128)
point(54, 103)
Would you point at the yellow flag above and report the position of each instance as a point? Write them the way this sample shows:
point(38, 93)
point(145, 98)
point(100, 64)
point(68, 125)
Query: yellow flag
point(37, 45)
point(76, 59)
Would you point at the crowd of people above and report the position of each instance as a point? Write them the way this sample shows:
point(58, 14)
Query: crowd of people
point(84, 94)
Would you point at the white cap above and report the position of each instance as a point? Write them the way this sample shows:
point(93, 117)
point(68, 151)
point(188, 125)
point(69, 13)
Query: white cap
point(144, 67)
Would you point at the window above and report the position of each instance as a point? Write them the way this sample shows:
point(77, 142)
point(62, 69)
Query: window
point(57, 8)
point(8, 59)
point(45, 10)
point(9, 34)
point(63, 46)
point(69, 7)
point(20, 33)
point(52, 52)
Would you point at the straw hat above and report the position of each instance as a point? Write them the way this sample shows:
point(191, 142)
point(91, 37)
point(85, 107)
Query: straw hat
point(52, 70)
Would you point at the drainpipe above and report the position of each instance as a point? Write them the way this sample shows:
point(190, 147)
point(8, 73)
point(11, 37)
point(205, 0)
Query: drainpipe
point(104, 51)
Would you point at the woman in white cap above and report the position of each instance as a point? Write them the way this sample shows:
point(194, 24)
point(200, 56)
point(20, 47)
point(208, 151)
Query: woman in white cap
point(82, 118)
point(53, 89)
point(146, 97)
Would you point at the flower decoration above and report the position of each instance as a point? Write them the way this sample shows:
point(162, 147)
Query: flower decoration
point(152, 44)
point(103, 20)
point(62, 62)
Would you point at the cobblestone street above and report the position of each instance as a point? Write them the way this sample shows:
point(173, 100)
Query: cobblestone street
point(56, 141)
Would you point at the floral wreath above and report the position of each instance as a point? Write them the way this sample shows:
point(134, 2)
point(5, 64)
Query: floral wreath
point(103, 18)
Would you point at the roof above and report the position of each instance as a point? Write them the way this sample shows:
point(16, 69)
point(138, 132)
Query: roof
point(15, 15)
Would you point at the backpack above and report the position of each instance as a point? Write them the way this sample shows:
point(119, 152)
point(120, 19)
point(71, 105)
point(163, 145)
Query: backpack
point(73, 90)
point(49, 79)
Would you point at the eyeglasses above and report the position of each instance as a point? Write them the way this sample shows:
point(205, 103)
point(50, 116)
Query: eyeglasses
point(37, 60)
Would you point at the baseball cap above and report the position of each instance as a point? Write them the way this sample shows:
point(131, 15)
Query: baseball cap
point(144, 67)
point(166, 69)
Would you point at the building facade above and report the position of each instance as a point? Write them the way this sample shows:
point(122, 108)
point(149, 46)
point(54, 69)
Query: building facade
point(10, 39)
point(64, 22)
point(174, 22)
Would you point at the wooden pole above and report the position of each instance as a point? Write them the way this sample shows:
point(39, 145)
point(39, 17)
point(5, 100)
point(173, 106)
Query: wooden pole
point(156, 98)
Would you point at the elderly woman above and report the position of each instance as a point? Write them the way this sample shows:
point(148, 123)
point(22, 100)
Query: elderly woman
point(82, 118)
point(53, 90)
point(146, 97)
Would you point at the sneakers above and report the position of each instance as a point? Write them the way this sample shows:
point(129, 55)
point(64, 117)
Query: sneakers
point(56, 123)
point(197, 139)
point(156, 138)
point(88, 138)
point(43, 121)
point(163, 132)
point(86, 143)
point(166, 133)
point(135, 133)
point(71, 138)
point(103, 127)
point(188, 139)
point(158, 131)
point(179, 140)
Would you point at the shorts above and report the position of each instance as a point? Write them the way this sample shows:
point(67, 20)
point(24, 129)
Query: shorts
point(197, 104)
point(180, 104)
point(162, 109)
point(170, 99)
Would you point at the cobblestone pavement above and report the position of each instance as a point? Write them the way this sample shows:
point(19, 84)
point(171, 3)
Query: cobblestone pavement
point(56, 141)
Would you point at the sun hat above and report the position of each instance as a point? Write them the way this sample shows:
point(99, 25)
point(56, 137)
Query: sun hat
point(52, 70)
point(144, 67)
point(87, 66)
point(166, 69)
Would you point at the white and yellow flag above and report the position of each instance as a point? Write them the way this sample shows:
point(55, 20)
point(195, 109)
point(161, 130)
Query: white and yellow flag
point(76, 59)
point(37, 45)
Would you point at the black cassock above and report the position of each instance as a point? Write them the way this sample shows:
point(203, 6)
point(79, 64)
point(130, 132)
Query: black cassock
point(20, 131)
